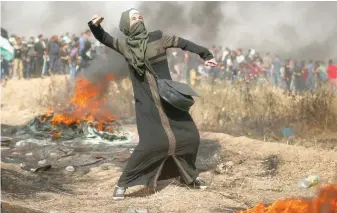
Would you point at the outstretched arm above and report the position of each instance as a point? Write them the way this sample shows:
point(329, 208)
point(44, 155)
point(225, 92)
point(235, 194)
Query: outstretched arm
point(104, 37)
point(169, 41)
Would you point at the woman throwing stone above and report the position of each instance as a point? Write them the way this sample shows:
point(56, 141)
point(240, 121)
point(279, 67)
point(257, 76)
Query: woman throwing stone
point(168, 137)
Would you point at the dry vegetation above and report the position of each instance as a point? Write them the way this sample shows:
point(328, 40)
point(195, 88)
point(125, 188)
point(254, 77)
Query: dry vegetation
point(259, 112)
point(262, 111)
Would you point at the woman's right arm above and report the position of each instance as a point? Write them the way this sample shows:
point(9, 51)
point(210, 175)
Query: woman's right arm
point(104, 37)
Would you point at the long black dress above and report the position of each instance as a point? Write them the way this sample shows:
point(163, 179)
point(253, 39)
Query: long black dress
point(168, 137)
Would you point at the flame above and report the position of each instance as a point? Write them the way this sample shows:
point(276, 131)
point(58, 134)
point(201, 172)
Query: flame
point(325, 202)
point(87, 104)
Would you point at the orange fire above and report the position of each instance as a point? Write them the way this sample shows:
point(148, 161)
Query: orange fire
point(87, 103)
point(325, 202)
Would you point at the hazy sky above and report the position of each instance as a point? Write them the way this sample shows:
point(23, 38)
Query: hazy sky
point(307, 29)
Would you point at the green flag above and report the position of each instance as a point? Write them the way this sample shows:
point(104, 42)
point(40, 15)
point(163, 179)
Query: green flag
point(7, 50)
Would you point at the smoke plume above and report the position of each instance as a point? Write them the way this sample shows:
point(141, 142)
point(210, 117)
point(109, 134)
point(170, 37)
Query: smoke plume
point(300, 29)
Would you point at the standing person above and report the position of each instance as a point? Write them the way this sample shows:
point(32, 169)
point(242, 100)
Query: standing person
point(31, 57)
point(292, 65)
point(168, 137)
point(332, 75)
point(74, 60)
point(311, 76)
point(276, 71)
point(287, 76)
point(25, 60)
point(321, 72)
point(54, 54)
point(297, 75)
point(304, 75)
point(4, 71)
point(85, 47)
point(192, 64)
point(40, 48)
point(64, 58)
point(267, 62)
point(17, 61)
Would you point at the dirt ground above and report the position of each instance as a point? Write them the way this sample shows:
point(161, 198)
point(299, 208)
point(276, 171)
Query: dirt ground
point(240, 173)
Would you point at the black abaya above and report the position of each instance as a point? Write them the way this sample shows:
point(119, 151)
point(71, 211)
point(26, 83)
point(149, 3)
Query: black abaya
point(168, 137)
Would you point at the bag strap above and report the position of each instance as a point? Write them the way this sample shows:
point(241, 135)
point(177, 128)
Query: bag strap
point(151, 70)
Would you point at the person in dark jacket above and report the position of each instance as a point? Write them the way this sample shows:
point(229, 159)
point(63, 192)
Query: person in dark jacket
point(168, 137)
point(54, 54)
point(31, 57)
point(25, 60)
point(84, 49)
point(40, 48)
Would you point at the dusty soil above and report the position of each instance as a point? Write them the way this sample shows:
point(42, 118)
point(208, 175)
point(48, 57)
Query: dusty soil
point(251, 171)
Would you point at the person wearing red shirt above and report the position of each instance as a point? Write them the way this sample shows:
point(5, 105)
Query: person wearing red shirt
point(332, 75)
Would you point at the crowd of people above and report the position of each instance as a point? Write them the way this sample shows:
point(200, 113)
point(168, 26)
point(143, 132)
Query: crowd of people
point(237, 67)
point(41, 57)
point(68, 54)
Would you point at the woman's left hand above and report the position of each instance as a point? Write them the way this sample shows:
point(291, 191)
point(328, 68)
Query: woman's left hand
point(211, 63)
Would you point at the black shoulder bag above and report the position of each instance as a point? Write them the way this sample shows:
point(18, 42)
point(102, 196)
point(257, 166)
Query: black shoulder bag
point(175, 93)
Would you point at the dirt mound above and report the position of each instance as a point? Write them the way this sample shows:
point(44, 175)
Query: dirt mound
point(247, 179)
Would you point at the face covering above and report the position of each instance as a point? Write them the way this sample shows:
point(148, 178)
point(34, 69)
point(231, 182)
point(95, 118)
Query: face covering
point(137, 37)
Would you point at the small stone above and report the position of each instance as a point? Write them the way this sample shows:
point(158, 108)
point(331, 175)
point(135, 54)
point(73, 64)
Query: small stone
point(70, 169)
point(29, 154)
point(20, 144)
point(42, 162)
point(32, 170)
point(53, 154)
point(105, 167)
point(220, 168)
point(229, 164)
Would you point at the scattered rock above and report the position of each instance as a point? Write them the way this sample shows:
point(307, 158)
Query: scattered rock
point(29, 154)
point(70, 169)
point(43, 168)
point(221, 168)
point(42, 162)
point(16, 153)
point(4, 148)
point(20, 143)
point(224, 167)
point(105, 167)
point(53, 155)
point(271, 164)
point(238, 159)
point(5, 139)
point(22, 165)
point(229, 164)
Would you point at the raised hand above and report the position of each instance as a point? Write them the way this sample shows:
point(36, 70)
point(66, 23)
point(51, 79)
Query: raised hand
point(96, 20)
point(211, 63)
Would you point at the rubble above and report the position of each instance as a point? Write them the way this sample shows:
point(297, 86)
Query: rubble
point(42, 128)
point(70, 169)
